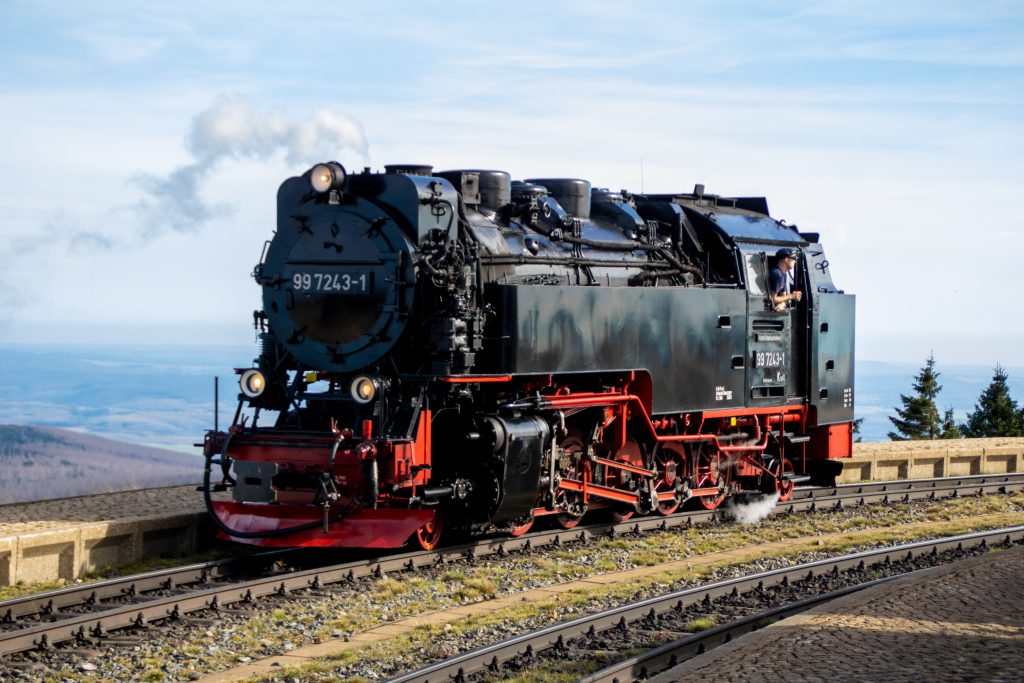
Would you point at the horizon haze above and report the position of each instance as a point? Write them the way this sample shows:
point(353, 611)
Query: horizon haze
point(162, 396)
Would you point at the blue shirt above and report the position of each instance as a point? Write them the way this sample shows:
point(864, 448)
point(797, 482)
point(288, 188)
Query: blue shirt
point(777, 281)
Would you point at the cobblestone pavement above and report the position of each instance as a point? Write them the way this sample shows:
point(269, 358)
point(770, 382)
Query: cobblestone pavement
point(19, 518)
point(962, 622)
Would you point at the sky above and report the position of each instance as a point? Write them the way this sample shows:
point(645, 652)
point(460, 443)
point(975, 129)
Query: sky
point(143, 142)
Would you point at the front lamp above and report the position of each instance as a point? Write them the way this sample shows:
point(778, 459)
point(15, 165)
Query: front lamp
point(252, 383)
point(328, 176)
point(363, 389)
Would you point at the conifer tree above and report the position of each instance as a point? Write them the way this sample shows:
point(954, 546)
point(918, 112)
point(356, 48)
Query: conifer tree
point(919, 418)
point(995, 413)
point(949, 428)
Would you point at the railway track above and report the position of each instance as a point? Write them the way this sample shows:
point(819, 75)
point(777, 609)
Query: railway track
point(619, 627)
point(84, 616)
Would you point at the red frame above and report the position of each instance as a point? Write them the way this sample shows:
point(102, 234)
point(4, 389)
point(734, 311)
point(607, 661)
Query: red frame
point(404, 466)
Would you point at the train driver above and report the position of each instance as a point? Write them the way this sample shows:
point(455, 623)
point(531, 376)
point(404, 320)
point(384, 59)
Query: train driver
point(779, 280)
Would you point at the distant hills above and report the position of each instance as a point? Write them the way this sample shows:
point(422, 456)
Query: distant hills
point(159, 396)
point(40, 463)
point(163, 395)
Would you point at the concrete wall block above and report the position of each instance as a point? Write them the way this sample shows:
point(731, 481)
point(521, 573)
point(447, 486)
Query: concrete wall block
point(8, 550)
point(925, 466)
point(169, 542)
point(48, 555)
point(106, 544)
point(1004, 459)
point(167, 536)
point(962, 464)
point(1001, 464)
point(1004, 450)
point(856, 469)
point(891, 468)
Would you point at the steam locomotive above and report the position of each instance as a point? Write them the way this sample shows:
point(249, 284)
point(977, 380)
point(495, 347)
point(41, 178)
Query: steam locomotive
point(455, 350)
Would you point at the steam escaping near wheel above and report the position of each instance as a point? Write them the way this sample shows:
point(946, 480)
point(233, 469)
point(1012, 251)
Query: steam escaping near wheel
point(751, 508)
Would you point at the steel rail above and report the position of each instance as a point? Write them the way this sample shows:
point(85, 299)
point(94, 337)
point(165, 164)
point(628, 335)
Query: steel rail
point(104, 617)
point(89, 596)
point(490, 657)
point(657, 661)
point(903, 491)
point(899, 485)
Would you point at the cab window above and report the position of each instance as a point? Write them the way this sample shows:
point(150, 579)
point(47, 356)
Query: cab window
point(757, 273)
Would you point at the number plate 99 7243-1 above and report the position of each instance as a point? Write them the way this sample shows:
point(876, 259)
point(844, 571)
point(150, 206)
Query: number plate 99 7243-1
point(358, 282)
point(769, 359)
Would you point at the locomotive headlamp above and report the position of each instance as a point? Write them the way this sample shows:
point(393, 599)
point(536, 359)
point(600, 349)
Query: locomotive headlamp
point(328, 176)
point(363, 389)
point(252, 383)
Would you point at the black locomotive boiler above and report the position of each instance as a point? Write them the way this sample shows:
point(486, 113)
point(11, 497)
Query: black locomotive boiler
point(457, 350)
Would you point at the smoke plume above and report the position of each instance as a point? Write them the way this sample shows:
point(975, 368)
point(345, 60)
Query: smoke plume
point(234, 128)
point(231, 128)
point(752, 508)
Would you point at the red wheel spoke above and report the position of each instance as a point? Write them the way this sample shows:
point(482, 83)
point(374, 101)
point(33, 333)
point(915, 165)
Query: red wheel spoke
point(623, 514)
point(567, 520)
point(429, 535)
point(520, 528)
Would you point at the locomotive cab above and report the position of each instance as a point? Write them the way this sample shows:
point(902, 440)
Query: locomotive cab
point(775, 336)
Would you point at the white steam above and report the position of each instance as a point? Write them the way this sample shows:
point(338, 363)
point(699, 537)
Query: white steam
point(234, 128)
point(752, 509)
point(231, 128)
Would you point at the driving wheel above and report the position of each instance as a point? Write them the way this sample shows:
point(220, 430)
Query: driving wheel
point(710, 474)
point(429, 535)
point(668, 462)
